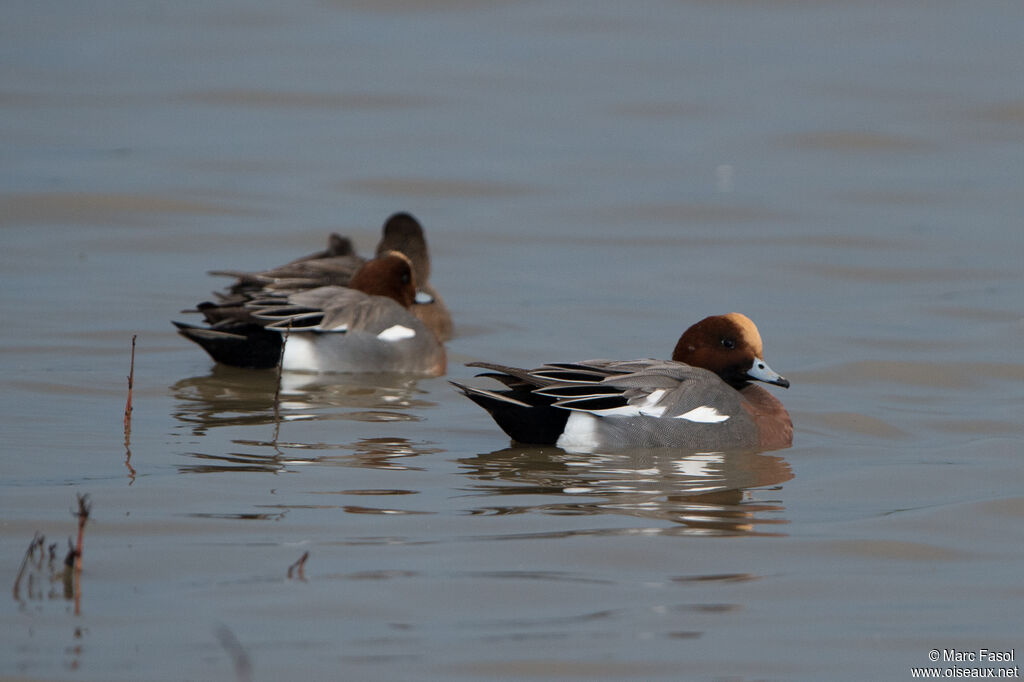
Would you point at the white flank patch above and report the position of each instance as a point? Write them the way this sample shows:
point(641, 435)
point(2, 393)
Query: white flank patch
point(300, 354)
point(704, 415)
point(396, 333)
point(580, 434)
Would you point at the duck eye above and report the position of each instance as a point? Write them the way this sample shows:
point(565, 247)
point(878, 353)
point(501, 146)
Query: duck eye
point(405, 278)
point(729, 343)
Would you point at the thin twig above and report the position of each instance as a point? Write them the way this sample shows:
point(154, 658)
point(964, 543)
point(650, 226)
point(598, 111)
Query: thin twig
point(128, 404)
point(277, 390)
point(37, 541)
point(84, 507)
point(69, 573)
point(299, 567)
point(128, 461)
point(128, 418)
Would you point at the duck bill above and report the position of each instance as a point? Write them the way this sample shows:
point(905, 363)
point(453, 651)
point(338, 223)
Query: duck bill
point(760, 371)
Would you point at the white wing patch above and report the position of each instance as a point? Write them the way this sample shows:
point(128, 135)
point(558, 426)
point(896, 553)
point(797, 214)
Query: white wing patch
point(396, 333)
point(649, 407)
point(624, 411)
point(704, 415)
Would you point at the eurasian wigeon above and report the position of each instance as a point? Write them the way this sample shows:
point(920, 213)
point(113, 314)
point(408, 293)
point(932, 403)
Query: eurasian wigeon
point(365, 327)
point(335, 266)
point(700, 400)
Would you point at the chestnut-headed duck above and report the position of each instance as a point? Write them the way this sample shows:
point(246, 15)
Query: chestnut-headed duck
point(700, 400)
point(365, 327)
point(335, 266)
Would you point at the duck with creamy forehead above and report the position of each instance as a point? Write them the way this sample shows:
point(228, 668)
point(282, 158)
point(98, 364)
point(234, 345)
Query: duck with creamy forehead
point(364, 327)
point(702, 399)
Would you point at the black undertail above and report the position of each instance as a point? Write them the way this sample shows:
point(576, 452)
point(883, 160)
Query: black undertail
point(239, 345)
point(535, 423)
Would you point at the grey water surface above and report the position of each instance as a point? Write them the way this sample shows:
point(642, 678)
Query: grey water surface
point(593, 177)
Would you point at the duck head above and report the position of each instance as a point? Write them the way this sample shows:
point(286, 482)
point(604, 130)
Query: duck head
point(391, 275)
point(730, 346)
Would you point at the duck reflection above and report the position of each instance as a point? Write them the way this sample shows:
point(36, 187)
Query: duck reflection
point(702, 493)
point(228, 396)
point(365, 453)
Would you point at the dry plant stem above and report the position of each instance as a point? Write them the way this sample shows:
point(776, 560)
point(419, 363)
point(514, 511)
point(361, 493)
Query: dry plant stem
point(299, 567)
point(128, 404)
point(84, 507)
point(277, 391)
point(69, 573)
point(128, 420)
point(77, 590)
point(128, 462)
point(37, 541)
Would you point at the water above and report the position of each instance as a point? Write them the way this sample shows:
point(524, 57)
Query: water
point(593, 177)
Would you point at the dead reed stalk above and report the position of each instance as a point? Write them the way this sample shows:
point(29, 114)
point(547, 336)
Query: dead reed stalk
point(84, 507)
point(298, 569)
point(37, 543)
point(128, 404)
point(74, 558)
point(277, 390)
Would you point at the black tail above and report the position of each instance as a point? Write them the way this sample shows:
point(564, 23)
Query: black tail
point(246, 345)
point(525, 416)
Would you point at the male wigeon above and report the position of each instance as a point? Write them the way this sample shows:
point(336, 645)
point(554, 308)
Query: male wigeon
point(700, 400)
point(336, 265)
point(365, 327)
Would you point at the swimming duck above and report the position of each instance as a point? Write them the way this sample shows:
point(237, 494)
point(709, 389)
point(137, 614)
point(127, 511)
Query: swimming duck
point(335, 266)
point(365, 327)
point(700, 400)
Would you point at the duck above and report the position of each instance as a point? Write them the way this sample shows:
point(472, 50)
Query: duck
point(364, 327)
point(338, 262)
point(704, 399)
